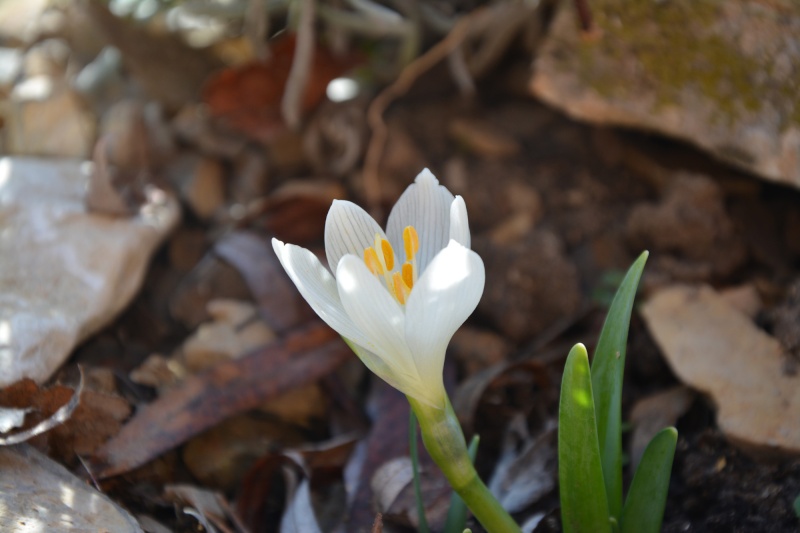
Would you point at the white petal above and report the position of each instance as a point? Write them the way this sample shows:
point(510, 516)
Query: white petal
point(425, 205)
point(459, 223)
point(405, 383)
point(348, 230)
point(442, 299)
point(375, 312)
point(318, 287)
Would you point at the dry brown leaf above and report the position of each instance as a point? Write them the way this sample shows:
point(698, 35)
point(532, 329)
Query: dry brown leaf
point(205, 399)
point(67, 423)
point(248, 98)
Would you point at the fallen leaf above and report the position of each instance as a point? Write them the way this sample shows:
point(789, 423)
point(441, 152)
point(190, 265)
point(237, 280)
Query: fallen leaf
point(11, 418)
point(523, 477)
point(38, 494)
point(654, 413)
point(718, 350)
point(59, 417)
point(300, 516)
point(297, 210)
point(205, 399)
point(248, 98)
point(211, 505)
point(257, 263)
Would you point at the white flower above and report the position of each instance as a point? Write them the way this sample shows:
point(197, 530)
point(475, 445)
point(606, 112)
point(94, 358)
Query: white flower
point(397, 316)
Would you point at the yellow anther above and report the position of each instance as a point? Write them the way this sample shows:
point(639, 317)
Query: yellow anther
point(371, 260)
point(401, 290)
point(410, 242)
point(408, 274)
point(388, 254)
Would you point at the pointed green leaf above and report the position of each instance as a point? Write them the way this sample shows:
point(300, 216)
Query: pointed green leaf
point(608, 367)
point(644, 506)
point(457, 513)
point(584, 508)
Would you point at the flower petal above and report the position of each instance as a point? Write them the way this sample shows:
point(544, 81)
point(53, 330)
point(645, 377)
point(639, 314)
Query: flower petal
point(459, 223)
point(348, 230)
point(409, 385)
point(318, 287)
point(442, 299)
point(425, 205)
point(374, 312)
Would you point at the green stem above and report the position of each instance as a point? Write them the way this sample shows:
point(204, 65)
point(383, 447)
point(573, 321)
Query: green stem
point(445, 443)
point(412, 436)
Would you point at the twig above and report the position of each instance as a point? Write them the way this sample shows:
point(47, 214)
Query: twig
point(292, 102)
point(372, 189)
point(256, 23)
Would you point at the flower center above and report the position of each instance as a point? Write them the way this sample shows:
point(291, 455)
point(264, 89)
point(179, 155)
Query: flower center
point(380, 260)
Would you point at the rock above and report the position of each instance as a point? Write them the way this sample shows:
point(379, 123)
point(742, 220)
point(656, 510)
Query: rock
point(201, 183)
point(721, 75)
point(64, 273)
point(690, 228)
point(42, 119)
point(20, 21)
point(533, 284)
point(10, 68)
point(38, 494)
point(719, 351)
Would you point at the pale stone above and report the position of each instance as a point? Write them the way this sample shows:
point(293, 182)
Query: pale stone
point(716, 349)
point(64, 273)
point(721, 75)
point(41, 119)
point(37, 494)
point(235, 331)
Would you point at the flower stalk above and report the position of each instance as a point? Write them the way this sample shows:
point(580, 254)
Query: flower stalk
point(397, 297)
point(444, 440)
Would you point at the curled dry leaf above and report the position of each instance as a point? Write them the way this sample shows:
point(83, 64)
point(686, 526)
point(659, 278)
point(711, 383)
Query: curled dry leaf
point(203, 400)
point(59, 417)
point(66, 422)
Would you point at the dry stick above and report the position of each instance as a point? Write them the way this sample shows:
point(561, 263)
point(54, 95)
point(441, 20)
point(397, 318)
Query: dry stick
point(292, 102)
point(372, 189)
point(256, 22)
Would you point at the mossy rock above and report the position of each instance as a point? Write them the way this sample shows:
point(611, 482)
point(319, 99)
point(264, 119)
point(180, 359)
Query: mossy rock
point(722, 75)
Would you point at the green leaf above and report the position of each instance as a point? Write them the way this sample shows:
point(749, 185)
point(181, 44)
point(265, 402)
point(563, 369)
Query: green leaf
point(797, 506)
point(644, 506)
point(457, 513)
point(584, 508)
point(412, 441)
point(608, 367)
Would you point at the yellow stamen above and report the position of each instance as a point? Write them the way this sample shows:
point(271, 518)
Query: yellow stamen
point(410, 242)
point(373, 263)
point(388, 254)
point(401, 290)
point(408, 274)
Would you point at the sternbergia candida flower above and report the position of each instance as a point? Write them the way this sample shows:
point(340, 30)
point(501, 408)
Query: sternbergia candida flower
point(397, 296)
